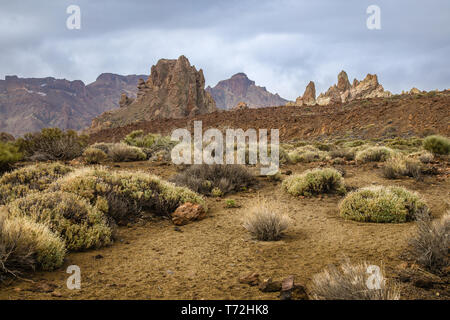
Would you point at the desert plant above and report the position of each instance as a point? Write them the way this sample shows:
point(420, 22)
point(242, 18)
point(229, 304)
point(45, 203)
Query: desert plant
point(26, 245)
point(382, 204)
point(265, 222)
point(204, 178)
point(231, 203)
point(150, 143)
point(52, 144)
point(121, 152)
point(430, 245)
point(315, 181)
point(306, 154)
point(122, 195)
point(399, 166)
point(350, 282)
point(373, 154)
point(345, 153)
point(422, 156)
point(94, 155)
point(103, 146)
point(67, 215)
point(28, 179)
point(9, 154)
point(437, 144)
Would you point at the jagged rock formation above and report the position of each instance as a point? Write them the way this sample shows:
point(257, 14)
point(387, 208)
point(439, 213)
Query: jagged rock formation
point(175, 89)
point(30, 104)
point(343, 92)
point(240, 106)
point(239, 88)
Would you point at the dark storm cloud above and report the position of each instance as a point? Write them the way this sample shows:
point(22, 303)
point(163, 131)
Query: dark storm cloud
point(280, 44)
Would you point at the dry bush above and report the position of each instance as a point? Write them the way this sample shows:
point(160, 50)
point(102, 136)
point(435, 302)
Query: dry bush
point(345, 153)
point(103, 146)
point(122, 195)
point(373, 154)
point(315, 181)
point(94, 155)
point(26, 245)
point(68, 215)
point(204, 178)
point(121, 152)
point(349, 282)
point(422, 156)
point(265, 222)
point(28, 179)
point(401, 166)
point(382, 204)
point(52, 144)
point(430, 245)
point(437, 144)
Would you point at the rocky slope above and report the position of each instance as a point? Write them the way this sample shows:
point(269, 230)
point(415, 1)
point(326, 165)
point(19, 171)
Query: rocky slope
point(30, 104)
point(343, 92)
point(239, 88)
point(175, 89)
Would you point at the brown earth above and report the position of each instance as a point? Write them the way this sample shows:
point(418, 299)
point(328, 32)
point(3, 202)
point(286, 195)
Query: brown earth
point(401, 115)
point(205, 259)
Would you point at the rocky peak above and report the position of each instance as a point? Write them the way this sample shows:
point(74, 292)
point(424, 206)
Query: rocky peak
point(174, 89)
point(239, 88)
point(343, 83)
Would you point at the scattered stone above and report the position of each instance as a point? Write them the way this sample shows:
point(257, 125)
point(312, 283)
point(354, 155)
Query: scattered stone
point(267, 285)
point(56, 294)
point(42, 287)
point(240, 106)
point(188, 212)
point(251, 279)
point(287, 172)
point(290, 291)
point(423, 283)
point(97, 257)
point(177, 229)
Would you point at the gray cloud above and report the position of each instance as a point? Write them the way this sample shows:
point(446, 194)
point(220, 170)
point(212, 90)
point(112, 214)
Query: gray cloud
point(279, 44)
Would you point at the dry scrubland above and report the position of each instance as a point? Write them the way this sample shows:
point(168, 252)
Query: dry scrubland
point(142, 228)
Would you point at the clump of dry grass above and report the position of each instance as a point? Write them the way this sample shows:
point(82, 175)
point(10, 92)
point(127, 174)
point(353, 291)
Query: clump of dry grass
point(306, 154)
point(349, 282)
point(205, 178)
point(430, 245)
point(401, 166)
point(26, 245)
point(265, 222)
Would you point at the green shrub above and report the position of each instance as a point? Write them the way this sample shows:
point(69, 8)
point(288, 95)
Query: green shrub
point(315, 181)
point(68, 215)
point(52, 144)
point(437, 144)
point(373, 154)
point(151, 144)
point(9, 154)
point(31, 178)
point(122, 195)
point(26, 245)
point(94, 155)
point(306, 154)
point(382, 204)
point(204, 178)
point(344, 153)
point(103, 146)
point(264, 222)
point(422, 156)
point(231, 203)
point(349, 282)
point(401, 166)
point(121, 152)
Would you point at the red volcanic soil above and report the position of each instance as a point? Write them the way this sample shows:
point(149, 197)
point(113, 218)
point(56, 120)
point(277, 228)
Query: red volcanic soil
point(401, 115)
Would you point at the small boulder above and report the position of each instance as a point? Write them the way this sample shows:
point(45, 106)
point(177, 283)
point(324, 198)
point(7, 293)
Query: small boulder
point(188, 212)
point(250, 279)
point(267, 285)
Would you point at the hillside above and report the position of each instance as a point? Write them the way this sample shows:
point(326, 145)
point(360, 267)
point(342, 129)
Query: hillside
point(30, 104)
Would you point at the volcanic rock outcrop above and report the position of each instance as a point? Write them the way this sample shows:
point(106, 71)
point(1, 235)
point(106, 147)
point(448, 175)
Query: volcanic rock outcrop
point(239, 88)
point(175, 89)
point(30, 104)
point(240, 106)
point(344, 92)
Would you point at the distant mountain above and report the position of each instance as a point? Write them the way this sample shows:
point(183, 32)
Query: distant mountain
point(30, 104)
point(239, 88)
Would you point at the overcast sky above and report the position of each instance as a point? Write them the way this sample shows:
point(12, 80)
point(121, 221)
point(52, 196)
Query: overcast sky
point(282, 45)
